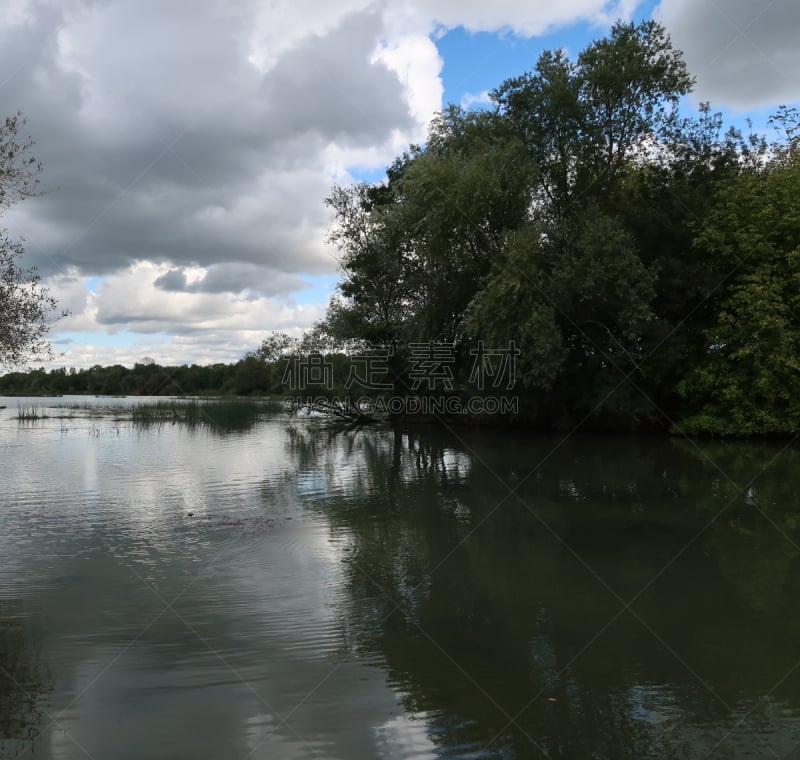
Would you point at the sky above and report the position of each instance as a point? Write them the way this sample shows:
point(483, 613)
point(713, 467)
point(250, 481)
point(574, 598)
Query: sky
point(188, 145)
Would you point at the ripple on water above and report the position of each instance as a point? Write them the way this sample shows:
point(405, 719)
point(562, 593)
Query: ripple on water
point(271, 577)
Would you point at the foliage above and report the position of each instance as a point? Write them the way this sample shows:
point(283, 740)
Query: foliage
point(267, 371)
point(749, 381)
point(412, 249)
point(585, 219)
point(142, 379)
point(583, 122)
point(223, 415)
point(25, 305)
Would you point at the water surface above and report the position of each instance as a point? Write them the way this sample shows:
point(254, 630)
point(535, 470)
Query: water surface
point(412, 593)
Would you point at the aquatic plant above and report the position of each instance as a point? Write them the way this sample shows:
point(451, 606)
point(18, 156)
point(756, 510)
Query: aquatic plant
point(220, 414)
point(30, 413)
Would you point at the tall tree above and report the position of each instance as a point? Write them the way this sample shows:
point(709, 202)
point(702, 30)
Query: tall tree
point(25, 306)
point(578, 287)
point(582, 218)
point(414, 248)
point(582, 121)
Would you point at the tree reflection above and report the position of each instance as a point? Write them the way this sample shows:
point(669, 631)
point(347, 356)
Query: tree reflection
point(21, 684)
point(501, 617)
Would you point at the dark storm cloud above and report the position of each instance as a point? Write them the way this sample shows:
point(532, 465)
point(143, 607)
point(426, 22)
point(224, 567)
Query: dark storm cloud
point(744, 54)
point(325, 87)
point(160, 140)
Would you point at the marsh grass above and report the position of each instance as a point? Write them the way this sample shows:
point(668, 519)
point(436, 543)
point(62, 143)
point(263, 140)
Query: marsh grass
point(217, 414)
point(37, 412)
point(222, 415)
point(30, 413)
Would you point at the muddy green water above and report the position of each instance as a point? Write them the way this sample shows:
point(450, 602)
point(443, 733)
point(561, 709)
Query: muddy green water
point(398, 594)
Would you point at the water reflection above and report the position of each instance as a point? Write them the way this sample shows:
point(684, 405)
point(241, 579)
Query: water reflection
point(501, 616)
point(382, 592)
point(23, 681)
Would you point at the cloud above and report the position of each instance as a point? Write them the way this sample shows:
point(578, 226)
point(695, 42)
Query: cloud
point(173, 281)
point(327, 87)
point(525, 18)
point(134, 299)
point(744, 54)
point(470, 99)
point(190, 154)
point(205, 348)
point(188, 146)
point(74, 298)
point(230, 278)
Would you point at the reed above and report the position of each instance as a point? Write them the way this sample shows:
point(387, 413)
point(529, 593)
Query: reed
point(223, 414)
point(30, 413)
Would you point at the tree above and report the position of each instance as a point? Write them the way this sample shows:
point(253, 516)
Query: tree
point(25, 305)
point(583, 122)
point(749, 381)
point(586, 220)
point(414, 248)
point(576, 283)
point(375, 294)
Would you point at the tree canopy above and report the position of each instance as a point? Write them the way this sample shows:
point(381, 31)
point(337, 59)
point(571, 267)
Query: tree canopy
point(25, 306)
point(643, 263)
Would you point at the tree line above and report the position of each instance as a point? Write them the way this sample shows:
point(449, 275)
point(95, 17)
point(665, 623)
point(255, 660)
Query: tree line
point(271, 369)
point(143, 379)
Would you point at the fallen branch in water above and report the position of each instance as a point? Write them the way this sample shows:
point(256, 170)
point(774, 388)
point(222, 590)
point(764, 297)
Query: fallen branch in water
point(342, 409)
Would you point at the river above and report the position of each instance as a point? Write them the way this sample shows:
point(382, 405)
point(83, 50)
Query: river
point(299, 590)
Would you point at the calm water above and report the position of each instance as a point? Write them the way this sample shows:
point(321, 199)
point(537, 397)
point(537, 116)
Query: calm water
point(395, 594)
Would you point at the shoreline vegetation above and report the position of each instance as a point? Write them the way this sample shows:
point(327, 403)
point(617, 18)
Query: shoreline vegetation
point(223, 414)
point(228, 413)
point(581, 254)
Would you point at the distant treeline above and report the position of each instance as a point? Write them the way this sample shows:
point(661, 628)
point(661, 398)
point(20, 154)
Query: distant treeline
point(281, 365)
point(144, 379)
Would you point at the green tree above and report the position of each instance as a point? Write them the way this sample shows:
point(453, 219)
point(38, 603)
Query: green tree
point(414, 248)
point(25, 305)
point(577, 283)
point(584, 122)
point(586, 220)
point(750, 379)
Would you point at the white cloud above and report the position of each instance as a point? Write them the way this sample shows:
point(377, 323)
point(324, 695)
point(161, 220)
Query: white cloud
point(203, 136)
point(416, 62)
point(208, 348)
point(133, 300)
point(471, 99)
point(76, 299)
point(176, 328)
point(278, 26)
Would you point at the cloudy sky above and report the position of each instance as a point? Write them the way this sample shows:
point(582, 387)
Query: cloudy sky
point(188, 145)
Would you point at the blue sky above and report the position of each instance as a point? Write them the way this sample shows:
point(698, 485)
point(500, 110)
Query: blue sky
point(183, 215)
point(476, 62)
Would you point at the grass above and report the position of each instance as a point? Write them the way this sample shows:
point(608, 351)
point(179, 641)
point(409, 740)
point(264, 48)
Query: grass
point(224, 414)
point(30, 413)
point(218, 414)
